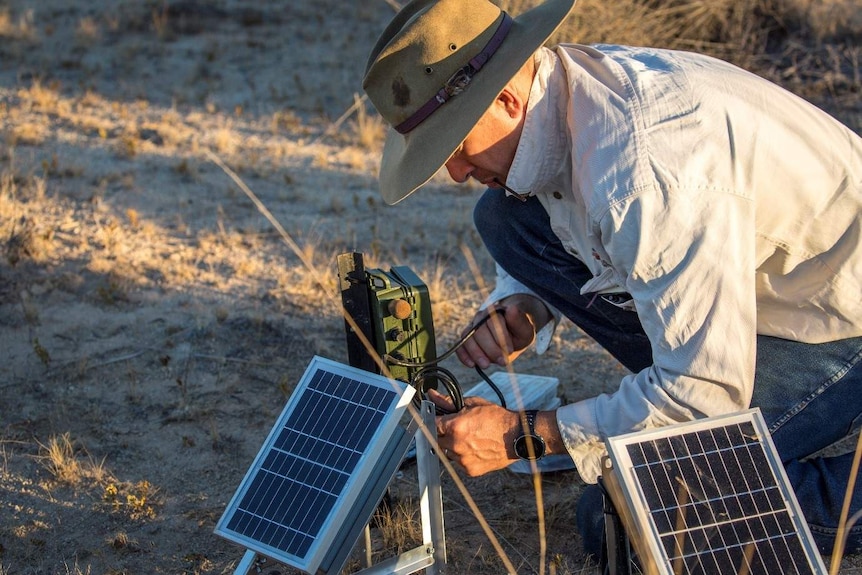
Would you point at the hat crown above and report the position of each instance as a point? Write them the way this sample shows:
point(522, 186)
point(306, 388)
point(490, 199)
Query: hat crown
point(422, 50)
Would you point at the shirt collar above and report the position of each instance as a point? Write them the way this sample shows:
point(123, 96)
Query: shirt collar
point(541, 151)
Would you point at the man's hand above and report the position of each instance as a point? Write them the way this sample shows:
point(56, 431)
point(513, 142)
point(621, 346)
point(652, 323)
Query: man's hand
point(480, 437)
point(506, 334)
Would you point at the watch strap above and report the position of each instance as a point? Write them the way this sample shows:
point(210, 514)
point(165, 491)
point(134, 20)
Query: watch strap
point(530, 417)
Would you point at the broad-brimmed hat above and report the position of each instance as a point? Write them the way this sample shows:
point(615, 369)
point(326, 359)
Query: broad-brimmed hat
point(436, 69)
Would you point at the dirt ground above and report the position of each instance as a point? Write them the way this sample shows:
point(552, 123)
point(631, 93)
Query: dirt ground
point(153, 321)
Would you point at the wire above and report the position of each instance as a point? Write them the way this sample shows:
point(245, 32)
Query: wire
point(446, 377)
point(492, 385)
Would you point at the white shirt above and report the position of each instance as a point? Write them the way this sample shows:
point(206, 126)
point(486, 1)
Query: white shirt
point(723, 204)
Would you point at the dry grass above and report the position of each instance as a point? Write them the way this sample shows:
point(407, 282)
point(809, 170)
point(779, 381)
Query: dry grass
point(68, 464)
point(369, 128)
point(20, 28)
point(399, 527)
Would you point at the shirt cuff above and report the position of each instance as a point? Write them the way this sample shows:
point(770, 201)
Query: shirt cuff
point(579, 430)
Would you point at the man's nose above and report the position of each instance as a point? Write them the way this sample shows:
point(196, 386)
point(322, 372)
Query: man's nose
point(459, 170)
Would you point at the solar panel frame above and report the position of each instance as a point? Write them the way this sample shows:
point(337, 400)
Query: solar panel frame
point(335, 479)
point(669, 517)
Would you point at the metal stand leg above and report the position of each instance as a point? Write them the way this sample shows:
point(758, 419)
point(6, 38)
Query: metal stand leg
point(431, 494)
point(617, 554)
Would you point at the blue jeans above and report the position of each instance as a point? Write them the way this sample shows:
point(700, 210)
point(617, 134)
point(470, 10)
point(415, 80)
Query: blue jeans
point(809, 394)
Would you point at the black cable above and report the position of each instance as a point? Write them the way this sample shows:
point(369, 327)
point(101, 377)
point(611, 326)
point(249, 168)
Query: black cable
point(444, 376)
point(492, 385)
point(448, 379)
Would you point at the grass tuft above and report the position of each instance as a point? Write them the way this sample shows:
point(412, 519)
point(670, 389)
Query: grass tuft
point(69, 465)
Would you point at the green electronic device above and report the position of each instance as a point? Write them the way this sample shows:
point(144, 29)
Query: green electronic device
point(401, 318)
point(392, 309)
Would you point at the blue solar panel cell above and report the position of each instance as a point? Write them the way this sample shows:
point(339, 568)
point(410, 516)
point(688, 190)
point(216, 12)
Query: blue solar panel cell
point(312, 458)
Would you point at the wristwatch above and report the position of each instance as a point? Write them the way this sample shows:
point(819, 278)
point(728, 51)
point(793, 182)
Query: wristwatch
point(530, 446)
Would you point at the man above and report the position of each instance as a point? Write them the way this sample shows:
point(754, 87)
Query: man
point(700, 223)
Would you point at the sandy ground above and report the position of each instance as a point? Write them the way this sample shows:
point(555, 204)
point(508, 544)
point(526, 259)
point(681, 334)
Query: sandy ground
point(152, 320)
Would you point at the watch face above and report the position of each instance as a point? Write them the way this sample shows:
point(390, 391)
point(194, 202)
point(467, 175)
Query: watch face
point(524, 450)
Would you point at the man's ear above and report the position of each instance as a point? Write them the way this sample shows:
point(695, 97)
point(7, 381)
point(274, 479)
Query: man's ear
point(512, 103)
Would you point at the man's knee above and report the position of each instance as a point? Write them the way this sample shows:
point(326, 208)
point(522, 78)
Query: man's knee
point(487, 213)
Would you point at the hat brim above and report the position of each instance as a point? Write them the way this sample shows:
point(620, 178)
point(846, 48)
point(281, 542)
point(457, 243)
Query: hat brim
point(410, 160)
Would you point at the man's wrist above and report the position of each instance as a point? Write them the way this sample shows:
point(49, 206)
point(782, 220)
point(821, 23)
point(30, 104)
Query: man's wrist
point(533, 306)
point(546, 426)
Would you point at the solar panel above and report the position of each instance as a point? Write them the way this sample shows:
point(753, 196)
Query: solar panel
point(709, 496)
point(315, 466)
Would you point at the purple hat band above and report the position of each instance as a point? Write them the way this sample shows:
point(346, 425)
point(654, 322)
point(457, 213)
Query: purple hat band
point(459, 80)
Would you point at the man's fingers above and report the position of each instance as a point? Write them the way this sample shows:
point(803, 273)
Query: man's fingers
point(489, 344)
point(496, 326)
point(442, 401)
point(503, 332)
point(476, 401)
point(472, 354)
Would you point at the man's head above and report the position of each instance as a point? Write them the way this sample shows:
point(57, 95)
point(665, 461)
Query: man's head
point(435, 71)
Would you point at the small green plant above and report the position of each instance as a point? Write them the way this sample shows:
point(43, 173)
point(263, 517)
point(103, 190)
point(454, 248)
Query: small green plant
point(132, 499)
point(122, 540)
point(161, 22)
point(114, 290)
point(41, 352)
point(87, 32)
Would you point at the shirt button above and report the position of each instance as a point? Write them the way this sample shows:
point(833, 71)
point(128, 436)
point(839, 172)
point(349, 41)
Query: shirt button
point(558, 195)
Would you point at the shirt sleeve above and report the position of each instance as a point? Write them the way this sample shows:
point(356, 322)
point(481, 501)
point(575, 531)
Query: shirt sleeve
point(687, 259)
point(507, 285)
